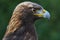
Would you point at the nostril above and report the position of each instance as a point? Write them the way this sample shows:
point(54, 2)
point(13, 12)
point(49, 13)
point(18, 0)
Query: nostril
point(44, 11)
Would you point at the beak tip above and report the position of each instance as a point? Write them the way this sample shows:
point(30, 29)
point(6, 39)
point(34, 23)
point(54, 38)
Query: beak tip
point(47, 15)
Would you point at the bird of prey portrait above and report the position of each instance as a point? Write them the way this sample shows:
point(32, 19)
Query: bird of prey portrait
point(21, 25)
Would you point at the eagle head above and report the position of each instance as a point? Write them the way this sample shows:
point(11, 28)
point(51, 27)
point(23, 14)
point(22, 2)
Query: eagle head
point(32, 10)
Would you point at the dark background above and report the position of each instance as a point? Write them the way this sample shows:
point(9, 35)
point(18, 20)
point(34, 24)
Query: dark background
point(46, 29)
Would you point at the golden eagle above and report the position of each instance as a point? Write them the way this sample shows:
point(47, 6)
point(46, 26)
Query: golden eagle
point(21, 25)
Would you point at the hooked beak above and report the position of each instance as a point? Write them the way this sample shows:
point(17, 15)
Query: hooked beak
point(43, 13)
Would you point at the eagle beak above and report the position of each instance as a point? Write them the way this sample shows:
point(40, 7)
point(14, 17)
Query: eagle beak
point(43, 13)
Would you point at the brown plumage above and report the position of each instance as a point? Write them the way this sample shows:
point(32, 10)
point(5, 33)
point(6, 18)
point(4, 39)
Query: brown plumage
point(21, 25)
